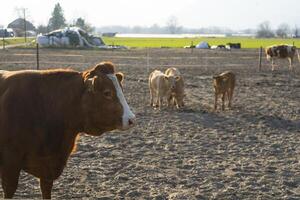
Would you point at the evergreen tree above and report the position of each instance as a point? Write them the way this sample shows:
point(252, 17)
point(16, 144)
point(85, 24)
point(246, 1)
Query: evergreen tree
point(81, 23)
point(57, 20)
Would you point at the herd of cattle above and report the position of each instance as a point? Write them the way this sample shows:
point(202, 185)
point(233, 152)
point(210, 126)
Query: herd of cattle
point(42, 112)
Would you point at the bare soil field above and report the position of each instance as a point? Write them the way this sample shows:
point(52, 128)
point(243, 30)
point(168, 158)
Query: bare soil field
point(249, 152)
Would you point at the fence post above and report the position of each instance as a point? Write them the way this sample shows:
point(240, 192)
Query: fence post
point(147, 60)
point(260, 58)
point(192, 46)
point(37, 57)
point(3, 41)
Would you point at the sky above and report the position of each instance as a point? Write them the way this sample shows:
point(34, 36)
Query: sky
point(234, 14)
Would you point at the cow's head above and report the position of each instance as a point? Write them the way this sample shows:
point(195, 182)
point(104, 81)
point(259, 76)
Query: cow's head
point(171, 80)
point(103, 102)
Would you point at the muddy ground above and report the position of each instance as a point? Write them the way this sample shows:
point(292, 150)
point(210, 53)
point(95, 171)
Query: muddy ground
point(249, 152)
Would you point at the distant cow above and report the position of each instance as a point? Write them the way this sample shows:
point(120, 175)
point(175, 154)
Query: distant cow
point(177, 94)
point(281, 51)
point(160, 86)
point(224, 84)
point(42, 112)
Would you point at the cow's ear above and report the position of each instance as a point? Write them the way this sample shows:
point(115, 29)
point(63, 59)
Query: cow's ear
point(120, 76)
point(166, 77)
point(177, 78)
point(90, 84)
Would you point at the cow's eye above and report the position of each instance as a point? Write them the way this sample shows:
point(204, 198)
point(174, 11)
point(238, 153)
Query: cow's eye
point(107, 94)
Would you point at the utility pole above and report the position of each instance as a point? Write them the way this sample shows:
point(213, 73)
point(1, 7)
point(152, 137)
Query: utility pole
point(25, 28)
point(3, 39)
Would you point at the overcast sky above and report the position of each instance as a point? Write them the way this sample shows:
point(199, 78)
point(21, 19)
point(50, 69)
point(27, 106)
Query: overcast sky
point(235, 14)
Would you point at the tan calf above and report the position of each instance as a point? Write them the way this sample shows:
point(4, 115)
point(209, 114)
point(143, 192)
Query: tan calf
point(177, 95)
point(160, 86)
point(224, 84)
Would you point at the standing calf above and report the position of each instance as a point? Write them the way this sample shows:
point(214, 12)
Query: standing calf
point(177, 94)
point(224, 84)
point(160, 86)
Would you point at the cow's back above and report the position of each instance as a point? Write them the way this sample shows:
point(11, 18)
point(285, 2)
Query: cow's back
point(156, 80)
point(226, 81)
point(33, 107)
point(172, 71)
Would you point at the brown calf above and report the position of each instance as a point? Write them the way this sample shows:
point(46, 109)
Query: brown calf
point(177, 94)
point(224, 84)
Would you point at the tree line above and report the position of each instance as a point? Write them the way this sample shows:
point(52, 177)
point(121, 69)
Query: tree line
point(58, 21)
point(264, 30)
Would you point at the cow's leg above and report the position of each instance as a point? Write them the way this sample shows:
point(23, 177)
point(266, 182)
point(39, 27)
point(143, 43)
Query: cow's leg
point(216, 101)
point(223, 101)
point(230, 94)
point(169, 100)
point(46, 187)
point(151, 97)
point(158, 100)
point(10, 172)
point(291, 62)
point(272, 62)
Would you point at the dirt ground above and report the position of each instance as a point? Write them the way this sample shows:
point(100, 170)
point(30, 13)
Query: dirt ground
point(249, 152)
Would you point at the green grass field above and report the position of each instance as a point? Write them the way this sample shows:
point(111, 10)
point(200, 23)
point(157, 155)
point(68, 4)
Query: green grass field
point(177, 42)
point(181, 42)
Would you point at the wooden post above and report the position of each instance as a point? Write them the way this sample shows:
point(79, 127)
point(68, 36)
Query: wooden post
point(147, 60)
point(192, 47)
point(25, 28)
point(260, 58)
point(37, 57)
point(3, 41)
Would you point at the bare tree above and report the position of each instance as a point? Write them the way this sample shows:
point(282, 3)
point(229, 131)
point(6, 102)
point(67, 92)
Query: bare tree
point(173, 25)
point(283, 30)
point(296, 32)
point(264, 30)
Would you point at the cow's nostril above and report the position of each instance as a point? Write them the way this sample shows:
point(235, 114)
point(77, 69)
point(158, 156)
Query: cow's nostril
point(130, 122)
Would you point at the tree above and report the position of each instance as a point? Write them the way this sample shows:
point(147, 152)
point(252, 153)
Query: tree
point(172, 25)
point(264, 30)
point(57, 20)
point(42, 29)
point(296, 32)
point(283, 30)
point(80, 22)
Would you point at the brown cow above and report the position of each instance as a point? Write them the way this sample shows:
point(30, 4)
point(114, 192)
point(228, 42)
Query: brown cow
point(177, 94)
point(281, 51)
point(224, 84)
point(42, 112)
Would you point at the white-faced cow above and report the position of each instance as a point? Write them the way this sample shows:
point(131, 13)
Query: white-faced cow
point(42, 112)
point(282, 51)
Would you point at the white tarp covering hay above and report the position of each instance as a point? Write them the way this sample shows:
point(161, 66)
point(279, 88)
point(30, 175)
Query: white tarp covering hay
point(73, 37)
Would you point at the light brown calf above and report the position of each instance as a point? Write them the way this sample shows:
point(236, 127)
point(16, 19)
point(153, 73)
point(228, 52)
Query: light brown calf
point(224, 84)
point(177, 95)
point(160, 86)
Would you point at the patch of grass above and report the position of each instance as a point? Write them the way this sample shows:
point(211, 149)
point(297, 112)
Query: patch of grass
point(17, 40)
point(246, 42)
